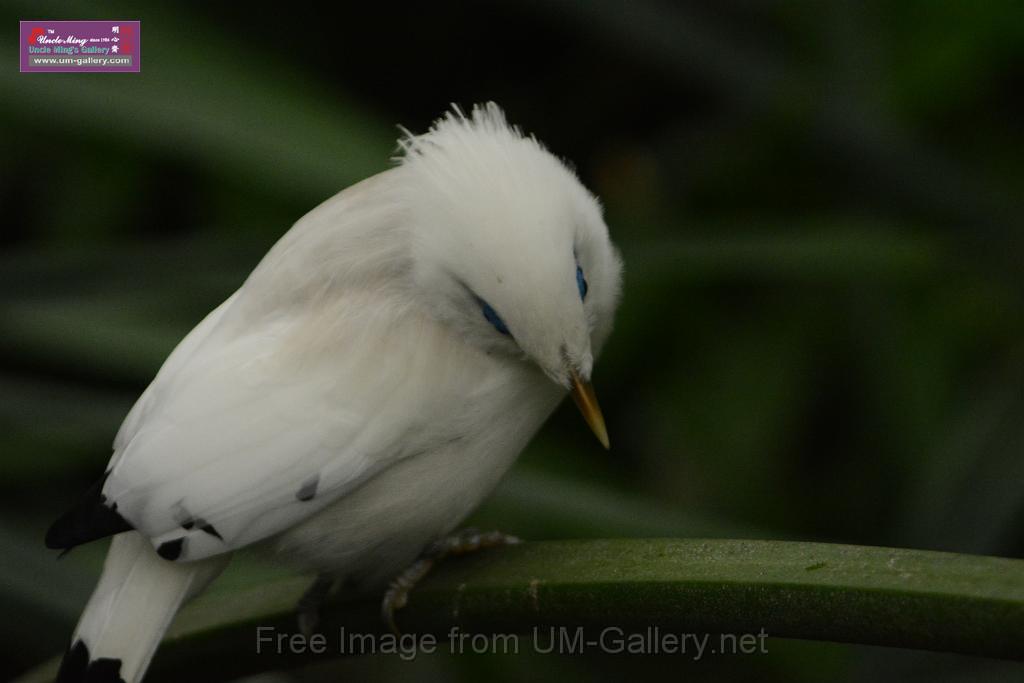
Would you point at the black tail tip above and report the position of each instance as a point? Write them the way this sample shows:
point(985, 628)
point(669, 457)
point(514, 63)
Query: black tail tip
point(77, 668)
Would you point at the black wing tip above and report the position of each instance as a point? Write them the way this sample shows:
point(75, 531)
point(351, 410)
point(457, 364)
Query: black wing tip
point(171, 550)
point(89, 520)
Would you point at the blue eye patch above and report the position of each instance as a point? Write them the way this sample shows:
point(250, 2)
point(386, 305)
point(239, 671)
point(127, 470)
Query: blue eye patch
point(581, 282)
point(493, 318)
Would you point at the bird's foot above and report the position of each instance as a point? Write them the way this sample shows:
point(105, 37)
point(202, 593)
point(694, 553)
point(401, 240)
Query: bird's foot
point(459, 543)
point(310, 603)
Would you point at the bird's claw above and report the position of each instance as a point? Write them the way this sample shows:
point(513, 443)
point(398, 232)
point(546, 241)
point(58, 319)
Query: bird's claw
point(397, 595)
point(310, 603)
point(466, 541)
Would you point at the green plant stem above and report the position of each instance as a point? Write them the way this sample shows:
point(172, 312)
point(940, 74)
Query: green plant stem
point(881, 596)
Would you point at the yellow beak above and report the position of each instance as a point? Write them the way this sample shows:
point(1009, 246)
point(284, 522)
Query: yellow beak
point(586, 401)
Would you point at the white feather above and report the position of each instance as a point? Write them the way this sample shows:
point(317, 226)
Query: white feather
point(135, 601)
point(338, 358)
point(356, 354)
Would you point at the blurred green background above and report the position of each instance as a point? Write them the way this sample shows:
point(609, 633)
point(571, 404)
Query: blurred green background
point(819, 205)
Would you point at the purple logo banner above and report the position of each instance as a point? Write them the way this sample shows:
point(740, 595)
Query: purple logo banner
point(81, 46)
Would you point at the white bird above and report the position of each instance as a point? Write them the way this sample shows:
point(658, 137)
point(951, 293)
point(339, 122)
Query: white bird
point(361, 393)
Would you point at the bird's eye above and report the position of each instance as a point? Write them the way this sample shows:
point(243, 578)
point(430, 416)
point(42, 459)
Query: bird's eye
point(493, 318)
point(581, 283)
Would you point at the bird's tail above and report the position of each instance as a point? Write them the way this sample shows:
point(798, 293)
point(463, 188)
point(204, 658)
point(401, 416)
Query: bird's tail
point(131, 608)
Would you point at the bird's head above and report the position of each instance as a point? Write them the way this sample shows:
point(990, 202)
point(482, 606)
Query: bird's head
point(510, 249)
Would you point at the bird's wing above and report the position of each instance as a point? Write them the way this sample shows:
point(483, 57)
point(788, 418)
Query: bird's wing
point(258, 432)
point(179, 357)
point(308, 382)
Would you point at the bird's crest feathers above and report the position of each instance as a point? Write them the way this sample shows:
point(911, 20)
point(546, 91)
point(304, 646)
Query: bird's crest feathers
point(455, 126)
